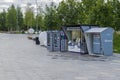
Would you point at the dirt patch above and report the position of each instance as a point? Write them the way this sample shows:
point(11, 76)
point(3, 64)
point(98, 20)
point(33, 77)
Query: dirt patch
point(77, 56)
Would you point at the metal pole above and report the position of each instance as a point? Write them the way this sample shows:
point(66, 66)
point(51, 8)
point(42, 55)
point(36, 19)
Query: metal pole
point(17, 19)
point(37, 16)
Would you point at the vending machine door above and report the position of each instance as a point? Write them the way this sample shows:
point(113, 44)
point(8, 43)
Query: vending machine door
point(56, 40)
point(63, 42)
point(49, 41)
point(96, 44)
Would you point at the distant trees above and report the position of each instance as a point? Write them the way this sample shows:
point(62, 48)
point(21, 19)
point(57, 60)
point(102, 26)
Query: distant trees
point(3, 20)
point(99, 12)
point(12, 18)
point(116, 14)
point(50, 19)
point(29, 17)
point(20, 19)
point(69, 12)
point(40, 19)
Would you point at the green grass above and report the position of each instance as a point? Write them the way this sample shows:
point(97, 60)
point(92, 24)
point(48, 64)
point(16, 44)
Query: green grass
point(116, 42)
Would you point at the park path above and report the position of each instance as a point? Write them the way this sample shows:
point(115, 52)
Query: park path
point(21, 59)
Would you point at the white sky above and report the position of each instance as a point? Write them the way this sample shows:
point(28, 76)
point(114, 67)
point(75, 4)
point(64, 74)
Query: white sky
point(9, 0)
point(4, 4)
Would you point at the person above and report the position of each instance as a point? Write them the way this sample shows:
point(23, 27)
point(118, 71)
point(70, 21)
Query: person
point(37, 41)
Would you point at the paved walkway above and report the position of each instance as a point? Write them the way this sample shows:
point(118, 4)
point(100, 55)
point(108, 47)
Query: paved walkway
point(21, 59)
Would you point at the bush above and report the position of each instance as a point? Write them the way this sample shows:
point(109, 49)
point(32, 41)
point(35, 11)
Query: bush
point(116, 42)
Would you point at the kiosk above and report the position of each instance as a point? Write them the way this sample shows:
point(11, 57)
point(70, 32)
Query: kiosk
point(100, 41)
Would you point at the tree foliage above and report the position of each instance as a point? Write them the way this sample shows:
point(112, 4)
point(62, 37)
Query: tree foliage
point(68, 12)
point(11, 18)
point(40, 19)
point(98, 12)
point(3, 21)
point(51, 17)
point(29, 17)
point(19, 19)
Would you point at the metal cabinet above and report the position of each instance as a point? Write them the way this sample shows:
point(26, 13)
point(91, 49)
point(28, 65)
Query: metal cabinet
point(63, 42)
point(49, 40)
point(100, 41)
point(56, 40)
point(96, 44)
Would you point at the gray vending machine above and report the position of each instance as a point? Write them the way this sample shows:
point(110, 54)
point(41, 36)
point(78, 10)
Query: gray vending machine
point(50, 40)
point(56, 41)
point(63, 42)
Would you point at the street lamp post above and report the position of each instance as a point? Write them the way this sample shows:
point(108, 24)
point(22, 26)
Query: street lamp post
point(37, 17)
point(17, 19)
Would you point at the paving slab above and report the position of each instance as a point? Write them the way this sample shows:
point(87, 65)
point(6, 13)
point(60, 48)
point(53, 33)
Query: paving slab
point(21, 59)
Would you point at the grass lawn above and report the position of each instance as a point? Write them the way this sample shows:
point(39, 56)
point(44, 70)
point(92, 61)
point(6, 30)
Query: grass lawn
point(116, 42)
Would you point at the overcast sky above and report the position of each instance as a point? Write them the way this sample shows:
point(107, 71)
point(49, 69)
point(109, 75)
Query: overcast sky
point(4, 4)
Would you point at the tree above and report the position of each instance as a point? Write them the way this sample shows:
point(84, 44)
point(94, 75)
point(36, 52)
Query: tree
point(19, 19)
point(51, 17)
point(39, 21)
point(98, 12)
point(87, 7)
point(3, 21)
point(29, 19)
point(12, 18)
point(116, 14)
point(68, 12)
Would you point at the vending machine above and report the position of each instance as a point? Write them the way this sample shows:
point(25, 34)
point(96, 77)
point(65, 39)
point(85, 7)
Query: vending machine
point(56, 40)
point(64, 42)
point(50, 40)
